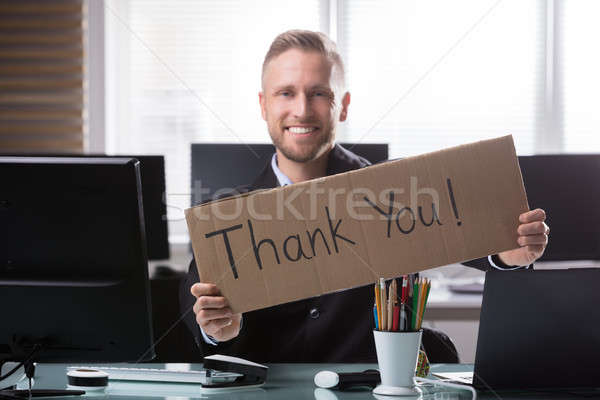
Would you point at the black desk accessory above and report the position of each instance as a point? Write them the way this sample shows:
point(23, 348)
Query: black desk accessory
point(346, 380)
point(252, 374)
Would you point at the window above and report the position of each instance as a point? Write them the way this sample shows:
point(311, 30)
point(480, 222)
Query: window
point(189, 71)
point(423, 74)
point(578, 88)
point(429, 74)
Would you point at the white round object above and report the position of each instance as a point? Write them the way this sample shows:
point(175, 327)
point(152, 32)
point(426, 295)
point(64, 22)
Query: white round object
point(327, 379)
point(87, 379)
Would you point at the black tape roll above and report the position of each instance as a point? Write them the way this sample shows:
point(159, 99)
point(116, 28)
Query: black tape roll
point(87, 378)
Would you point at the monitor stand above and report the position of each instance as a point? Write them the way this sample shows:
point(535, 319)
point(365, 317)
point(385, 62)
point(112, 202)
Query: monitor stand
point(13, 372)
point(16, 372)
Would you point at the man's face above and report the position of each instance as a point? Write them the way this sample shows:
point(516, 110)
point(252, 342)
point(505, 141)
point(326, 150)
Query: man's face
point(299, 104)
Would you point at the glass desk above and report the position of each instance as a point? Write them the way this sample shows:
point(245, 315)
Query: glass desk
point(284, 382)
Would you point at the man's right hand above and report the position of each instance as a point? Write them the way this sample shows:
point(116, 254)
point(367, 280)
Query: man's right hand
point(213, 313)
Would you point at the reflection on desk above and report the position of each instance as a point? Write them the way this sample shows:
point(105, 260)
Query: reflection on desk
point(285, 381)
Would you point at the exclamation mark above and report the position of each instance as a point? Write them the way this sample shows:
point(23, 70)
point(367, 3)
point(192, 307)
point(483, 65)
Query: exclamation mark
point(459, 223)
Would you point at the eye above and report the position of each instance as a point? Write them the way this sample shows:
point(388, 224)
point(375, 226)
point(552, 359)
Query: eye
point(285, 93)
point(322, 94)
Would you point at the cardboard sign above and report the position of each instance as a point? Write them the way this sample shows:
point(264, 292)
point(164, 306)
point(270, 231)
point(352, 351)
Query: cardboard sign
point(274, 246)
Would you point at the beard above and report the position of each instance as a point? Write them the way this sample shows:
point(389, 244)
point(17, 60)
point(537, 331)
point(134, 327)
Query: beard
point(302, 152)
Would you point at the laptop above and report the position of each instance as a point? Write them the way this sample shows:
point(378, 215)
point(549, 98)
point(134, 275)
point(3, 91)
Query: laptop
point(537, 330)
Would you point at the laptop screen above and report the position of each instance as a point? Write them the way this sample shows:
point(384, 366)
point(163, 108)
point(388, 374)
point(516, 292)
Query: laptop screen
point(539, 329)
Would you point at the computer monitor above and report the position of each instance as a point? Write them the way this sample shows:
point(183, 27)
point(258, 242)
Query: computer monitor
point(73, 264)
point(152, 171)
point(566, 187)
point(222, 166)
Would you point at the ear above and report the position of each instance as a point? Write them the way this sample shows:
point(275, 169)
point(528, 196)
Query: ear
point(261, 100)
point(345, 104)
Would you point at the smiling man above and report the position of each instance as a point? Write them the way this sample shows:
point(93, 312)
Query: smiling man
point(302, 101)
point(303, 98)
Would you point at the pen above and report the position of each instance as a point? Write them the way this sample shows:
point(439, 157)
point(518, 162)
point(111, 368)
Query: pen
point(408, 303)
point(396, 306)
point(403, 317)
point(395, 326)
point(403, 320)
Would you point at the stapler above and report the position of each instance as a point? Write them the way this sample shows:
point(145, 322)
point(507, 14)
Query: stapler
point(252, 375)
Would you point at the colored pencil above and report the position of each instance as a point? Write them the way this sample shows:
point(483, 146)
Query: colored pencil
point(378, 305)
point(415, 302)
point(383, 300)
point(375, 316)
point(391, 305)
point(425, 297)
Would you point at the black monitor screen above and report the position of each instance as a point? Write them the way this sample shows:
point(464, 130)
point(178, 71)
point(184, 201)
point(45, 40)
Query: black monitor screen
point(152, 171)
point(73, 265)
point(217, 168)
point(566, 187)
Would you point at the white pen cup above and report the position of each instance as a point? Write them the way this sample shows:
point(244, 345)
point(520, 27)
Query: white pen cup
point(397, 354)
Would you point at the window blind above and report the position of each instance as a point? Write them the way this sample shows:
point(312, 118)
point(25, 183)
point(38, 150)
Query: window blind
point(180, 72)
point(432, 73)
point(42, 75)
point(423, 74)
point(578, 67)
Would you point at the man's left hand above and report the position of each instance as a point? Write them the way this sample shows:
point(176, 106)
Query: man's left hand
point(533, 238)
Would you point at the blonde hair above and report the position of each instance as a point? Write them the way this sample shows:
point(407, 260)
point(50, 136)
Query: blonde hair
point(308, 41)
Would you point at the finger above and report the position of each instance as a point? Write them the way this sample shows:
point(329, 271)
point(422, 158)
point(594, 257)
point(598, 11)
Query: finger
point(533, 228)
point(214, 326)
point(533, 240)
point(210, 302)
point(204, 289)
point(534, 215)
point(209, 315)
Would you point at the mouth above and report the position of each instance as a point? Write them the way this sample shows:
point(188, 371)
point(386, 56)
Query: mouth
point(301, 130)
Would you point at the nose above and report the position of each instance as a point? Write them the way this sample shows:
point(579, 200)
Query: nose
point(301, 106)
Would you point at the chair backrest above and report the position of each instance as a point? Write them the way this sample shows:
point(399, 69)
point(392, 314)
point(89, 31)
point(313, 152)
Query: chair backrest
point(566, 186)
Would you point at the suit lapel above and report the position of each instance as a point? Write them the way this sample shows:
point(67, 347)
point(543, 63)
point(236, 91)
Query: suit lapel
point(266, 179)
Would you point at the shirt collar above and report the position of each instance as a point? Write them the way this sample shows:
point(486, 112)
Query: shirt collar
point(281, 177)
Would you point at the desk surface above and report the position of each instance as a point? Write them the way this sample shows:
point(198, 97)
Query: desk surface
point(285, 381)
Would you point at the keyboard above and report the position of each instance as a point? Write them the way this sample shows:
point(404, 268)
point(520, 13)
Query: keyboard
point(163, 375)
point(459, 377)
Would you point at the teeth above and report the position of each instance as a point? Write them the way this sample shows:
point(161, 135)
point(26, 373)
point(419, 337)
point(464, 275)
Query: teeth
point(295, 129)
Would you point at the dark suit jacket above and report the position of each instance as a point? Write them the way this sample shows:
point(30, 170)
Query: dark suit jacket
point(332, 328)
